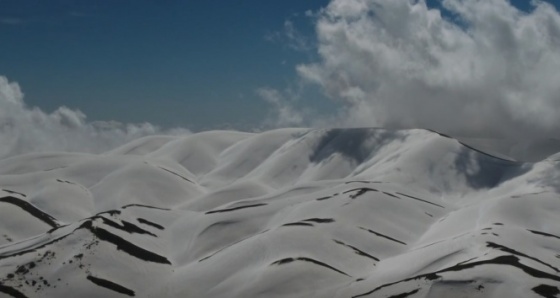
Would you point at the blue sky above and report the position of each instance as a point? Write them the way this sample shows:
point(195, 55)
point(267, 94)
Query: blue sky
point(194, 64)
point(162, 61)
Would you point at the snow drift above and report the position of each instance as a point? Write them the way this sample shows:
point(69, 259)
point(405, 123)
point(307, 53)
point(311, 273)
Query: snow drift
point(285, 213)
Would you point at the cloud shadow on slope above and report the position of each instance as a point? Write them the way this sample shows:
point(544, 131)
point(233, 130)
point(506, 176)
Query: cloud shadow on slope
point(482, 170)
point(356, 144)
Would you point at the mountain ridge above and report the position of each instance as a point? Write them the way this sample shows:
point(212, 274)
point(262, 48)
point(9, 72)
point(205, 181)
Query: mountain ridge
point(296, 212)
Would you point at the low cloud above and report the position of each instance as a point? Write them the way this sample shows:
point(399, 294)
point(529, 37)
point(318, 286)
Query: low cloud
point(476, 67)
point(283, 111)
point(25, 129)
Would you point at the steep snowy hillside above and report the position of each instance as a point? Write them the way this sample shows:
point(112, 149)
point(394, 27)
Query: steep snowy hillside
point(285, 213)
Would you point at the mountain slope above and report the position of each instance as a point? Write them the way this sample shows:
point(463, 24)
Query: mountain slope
point(286, 213)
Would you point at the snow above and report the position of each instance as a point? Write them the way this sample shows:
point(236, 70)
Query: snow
point(357, 212)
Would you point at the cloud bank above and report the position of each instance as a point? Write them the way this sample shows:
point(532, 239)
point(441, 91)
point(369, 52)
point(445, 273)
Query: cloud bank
point(474, 67)
point(26, 130)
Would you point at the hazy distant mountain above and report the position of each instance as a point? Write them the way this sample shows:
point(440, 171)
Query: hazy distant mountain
point(285, 213)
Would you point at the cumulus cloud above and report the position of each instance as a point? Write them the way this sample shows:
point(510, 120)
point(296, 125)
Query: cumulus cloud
point(284, 113)
point(474, 67)
point(24, 129)
point(291, 37)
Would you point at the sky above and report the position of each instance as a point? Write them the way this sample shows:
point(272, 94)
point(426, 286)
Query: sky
point(173, 61)
point(77, 70)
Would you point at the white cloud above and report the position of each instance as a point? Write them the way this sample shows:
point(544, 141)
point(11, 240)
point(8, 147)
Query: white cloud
point(490, 69)
point(284, 112)
point(25, 130)
point(297, 40)
point(291, 36)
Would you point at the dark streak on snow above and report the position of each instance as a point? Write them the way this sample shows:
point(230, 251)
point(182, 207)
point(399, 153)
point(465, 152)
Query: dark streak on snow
point(390, 194)
point(404, 295)
point(144, 206)
point(110, 285)
point(126, 226)
point(383, 236)
point(119, 242)
point(320, 220)
point(490, 155)
point(508, 260)
point(14, 192)
point(32, 210)
point(124, 245)
point(360, 191)
point(110, 212)
point(169, 171)
point(65, 181)
point(206, 258)
point(23, 252)
point(357, 251)
point(236, 208)
point(283, 261)
point(289, 260)
point(321, 264)
point(474, 149)
point(515, 252)
point(418, 199)
point(439, 133)
point(298, 224)
point(466, 261)
point(153, 224)
point(543, 234)
point(324, 198)
point(546, 291)
point(11, 291)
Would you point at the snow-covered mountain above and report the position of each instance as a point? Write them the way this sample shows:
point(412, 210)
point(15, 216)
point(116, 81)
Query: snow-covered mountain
point(285, 213)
